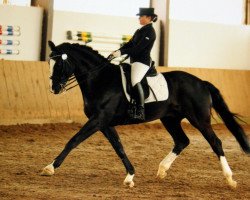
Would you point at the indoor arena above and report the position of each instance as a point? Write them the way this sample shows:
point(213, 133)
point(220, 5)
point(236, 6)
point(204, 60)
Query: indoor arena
point(69, 125)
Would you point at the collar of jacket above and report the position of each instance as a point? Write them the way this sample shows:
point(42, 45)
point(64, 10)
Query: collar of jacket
point(145, 26)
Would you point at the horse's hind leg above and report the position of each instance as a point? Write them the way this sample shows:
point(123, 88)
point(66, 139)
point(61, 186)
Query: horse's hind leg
point(216, 144)
point(111, 134)
point(173, 126)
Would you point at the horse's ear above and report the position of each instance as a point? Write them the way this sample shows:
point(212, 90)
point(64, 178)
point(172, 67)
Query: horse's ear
point(52, 45)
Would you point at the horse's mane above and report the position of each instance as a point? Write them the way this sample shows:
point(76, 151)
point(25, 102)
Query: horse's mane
point(81, 48)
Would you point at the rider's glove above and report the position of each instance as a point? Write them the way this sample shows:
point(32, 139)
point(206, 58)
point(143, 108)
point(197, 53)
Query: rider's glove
point(110, 57)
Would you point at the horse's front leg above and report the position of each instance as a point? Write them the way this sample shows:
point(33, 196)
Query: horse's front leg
point(115, 141)
point(86, 131)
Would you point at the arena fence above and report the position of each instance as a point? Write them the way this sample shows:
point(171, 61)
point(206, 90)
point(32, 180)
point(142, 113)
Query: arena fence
point(25, 96)
point(94, 39)
point(8, 31)
point(9, 42)
point(9, 28)
point(97, 37)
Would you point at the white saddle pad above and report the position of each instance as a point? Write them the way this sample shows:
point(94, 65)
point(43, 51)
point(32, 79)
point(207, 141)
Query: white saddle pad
point(157, 83)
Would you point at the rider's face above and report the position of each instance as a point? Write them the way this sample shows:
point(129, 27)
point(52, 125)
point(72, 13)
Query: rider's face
point(144, 20)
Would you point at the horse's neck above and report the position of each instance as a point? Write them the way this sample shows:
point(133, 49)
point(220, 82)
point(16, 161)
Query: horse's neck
point(93, 66)
point(93, 78)
point(97, 85)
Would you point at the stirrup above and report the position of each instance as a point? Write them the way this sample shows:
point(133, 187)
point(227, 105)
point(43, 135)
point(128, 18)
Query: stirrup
point(140, 114)
point(132, 109)
point(132, 112)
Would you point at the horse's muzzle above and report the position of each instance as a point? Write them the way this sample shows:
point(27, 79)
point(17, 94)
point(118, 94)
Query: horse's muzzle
point(58, 89)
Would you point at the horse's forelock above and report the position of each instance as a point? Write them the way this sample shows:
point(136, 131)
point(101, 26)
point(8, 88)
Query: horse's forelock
point(63, 48)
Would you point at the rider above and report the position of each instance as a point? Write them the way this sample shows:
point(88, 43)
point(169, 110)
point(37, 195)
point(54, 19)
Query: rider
point(138, 48)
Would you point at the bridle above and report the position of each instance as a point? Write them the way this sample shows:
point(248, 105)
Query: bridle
point(72, 79)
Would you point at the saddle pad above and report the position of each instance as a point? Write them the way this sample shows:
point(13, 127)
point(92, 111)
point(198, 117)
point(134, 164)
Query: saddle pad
point(157, 83)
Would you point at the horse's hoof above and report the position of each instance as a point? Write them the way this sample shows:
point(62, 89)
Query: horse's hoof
point(130, 184)
point(129, 180)
point(232, 183)
point(161, 174)
point(48, 170)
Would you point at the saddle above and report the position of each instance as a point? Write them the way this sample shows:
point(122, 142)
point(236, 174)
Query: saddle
point(127, 72)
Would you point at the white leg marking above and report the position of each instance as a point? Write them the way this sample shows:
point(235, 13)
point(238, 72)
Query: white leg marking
point(49, 170)
point(227, 172)
point(129, 180)
point(51, 70)
point(166, 164)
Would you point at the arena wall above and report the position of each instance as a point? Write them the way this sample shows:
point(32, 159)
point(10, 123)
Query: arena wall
point(208, 45)
point(28, 37)
point(25, 96)
point(64, 21)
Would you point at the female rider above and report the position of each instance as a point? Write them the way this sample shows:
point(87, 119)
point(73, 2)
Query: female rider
point(138, 48)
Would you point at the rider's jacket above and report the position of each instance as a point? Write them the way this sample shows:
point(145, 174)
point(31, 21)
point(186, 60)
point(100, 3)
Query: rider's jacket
point(139, 46)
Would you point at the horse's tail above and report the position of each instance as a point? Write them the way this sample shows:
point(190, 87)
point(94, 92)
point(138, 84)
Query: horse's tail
point(229, 118)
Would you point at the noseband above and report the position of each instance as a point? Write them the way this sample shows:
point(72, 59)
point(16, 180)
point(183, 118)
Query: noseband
point(70, 80)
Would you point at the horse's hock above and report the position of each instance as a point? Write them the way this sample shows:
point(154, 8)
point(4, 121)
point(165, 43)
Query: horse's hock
point(25, 96)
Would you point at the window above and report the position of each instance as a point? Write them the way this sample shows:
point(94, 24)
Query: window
point(217, 11)
point(127, 8)
point(16, 2)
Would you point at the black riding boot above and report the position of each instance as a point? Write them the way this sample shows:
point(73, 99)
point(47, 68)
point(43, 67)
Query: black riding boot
point(140, 113)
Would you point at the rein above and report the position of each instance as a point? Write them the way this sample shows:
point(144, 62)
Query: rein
point(72, 79)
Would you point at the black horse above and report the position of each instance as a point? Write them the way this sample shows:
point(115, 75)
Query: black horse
point(106, 106)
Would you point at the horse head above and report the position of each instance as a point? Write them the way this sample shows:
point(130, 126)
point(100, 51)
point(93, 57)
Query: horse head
point(61, 67)
point(67, 60)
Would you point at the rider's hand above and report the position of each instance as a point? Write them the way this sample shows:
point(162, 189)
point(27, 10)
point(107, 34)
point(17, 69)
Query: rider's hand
point(116, 53)
point(110, 57)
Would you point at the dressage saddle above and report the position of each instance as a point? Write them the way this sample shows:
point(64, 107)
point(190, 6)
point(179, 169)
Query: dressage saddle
point(127, 71)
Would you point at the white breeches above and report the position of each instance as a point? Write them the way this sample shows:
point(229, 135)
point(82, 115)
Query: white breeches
point(138, 71)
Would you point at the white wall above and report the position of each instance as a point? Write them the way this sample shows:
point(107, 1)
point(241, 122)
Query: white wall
point(29, 19)
point(127, 8)
point(216, 11)
point(114, 25)
point(209, 45)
